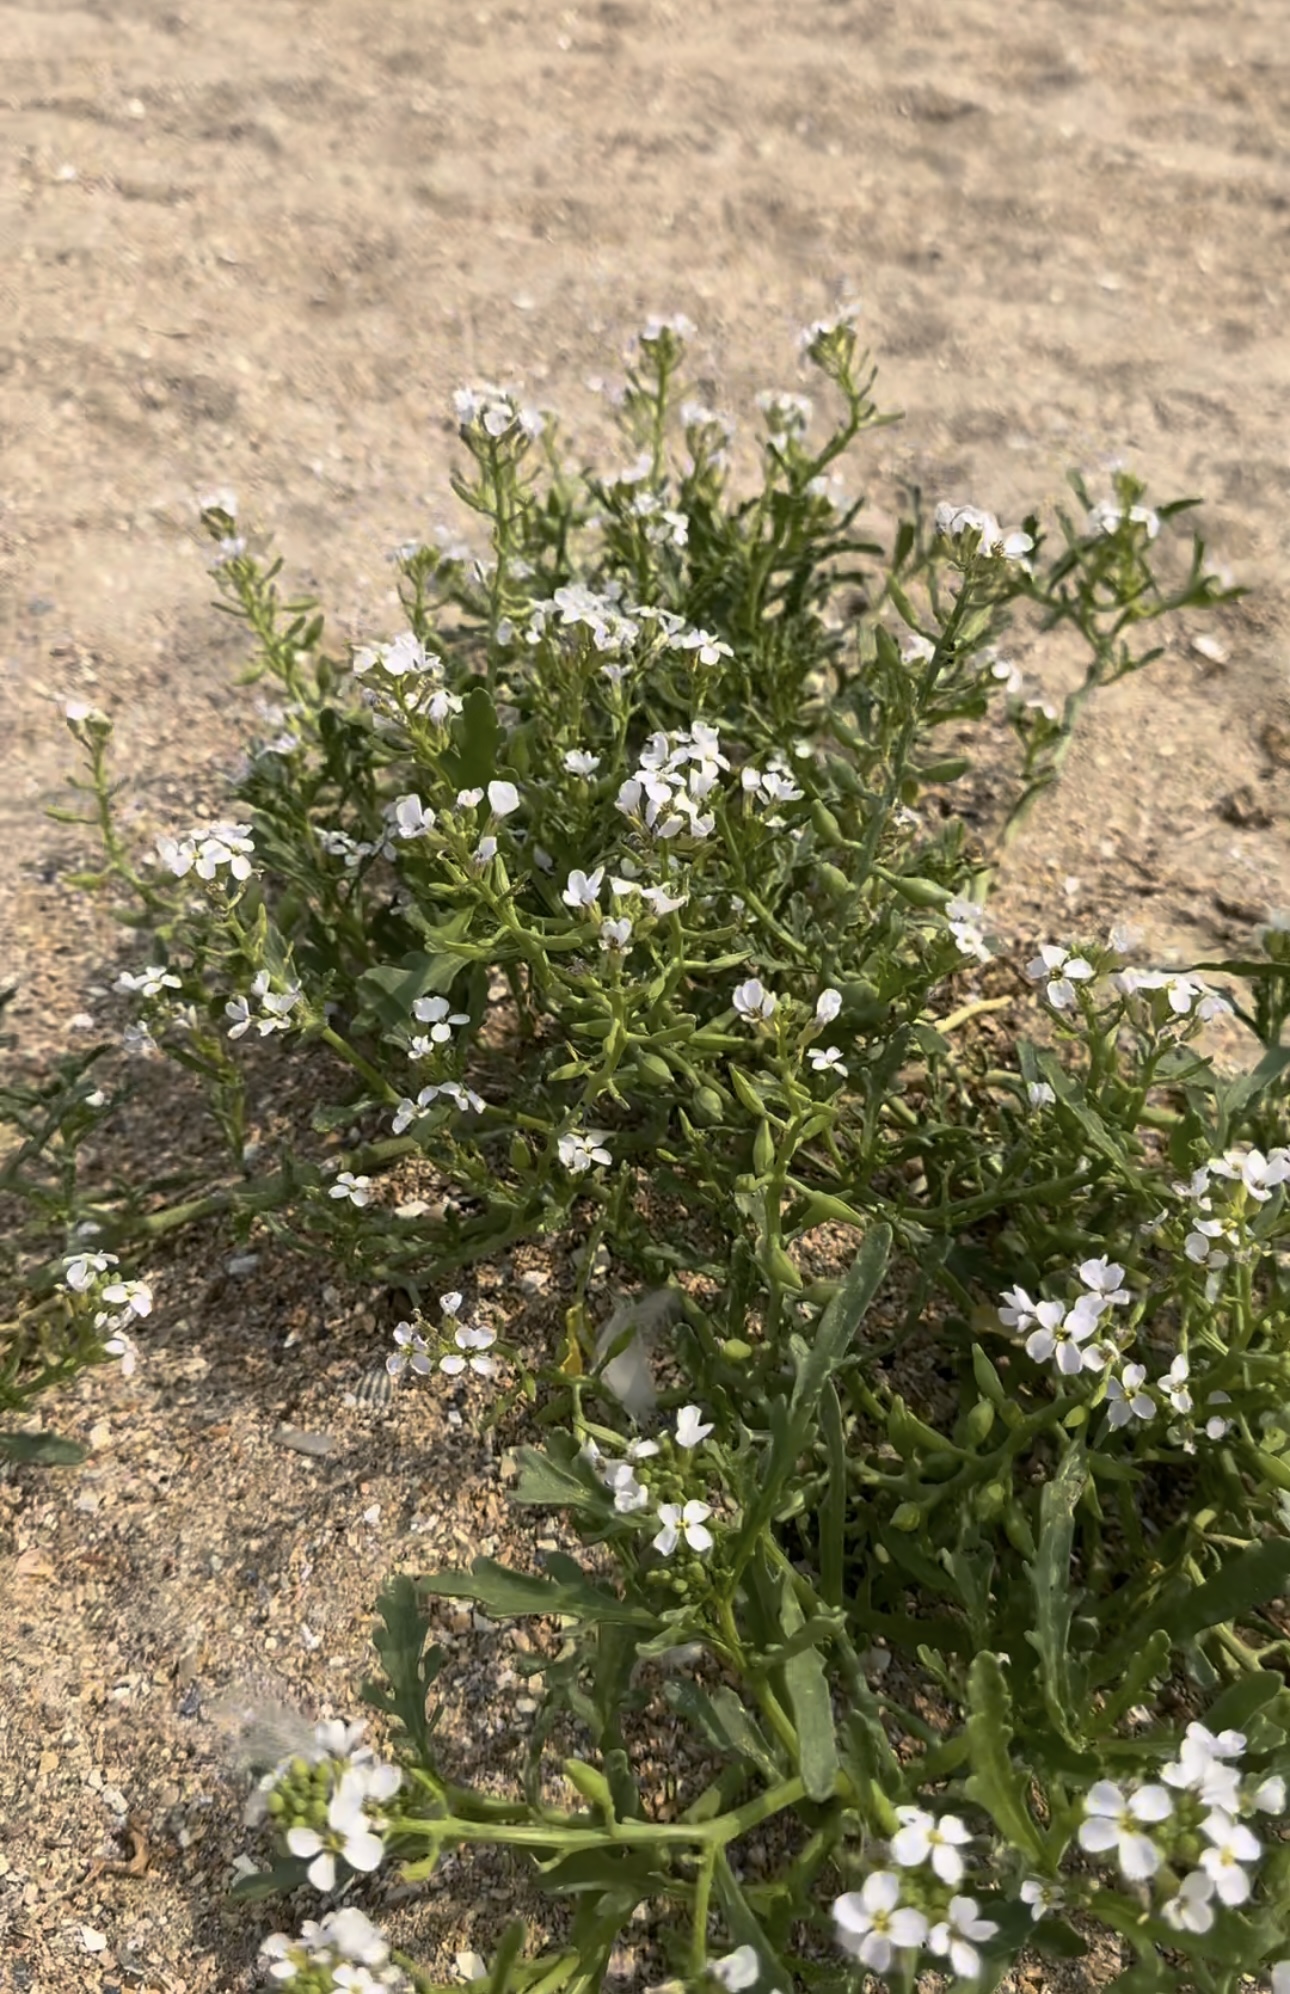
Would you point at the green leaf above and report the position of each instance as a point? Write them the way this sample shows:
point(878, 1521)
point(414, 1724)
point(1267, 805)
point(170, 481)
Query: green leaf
point(632, 1873)
point(388, 991)
point(833, 1507)
point(723, 1722)
point(1246, 1582)
point(745, 1929)
point(1050, 1578)
point(505, 1595)
point(43, 1450)
point(283, 1876)
point(400, 1641)
point(543, 1481)
point(995, 1783)
point(806, 1684)
point(477, 740)
point(1242, 1699)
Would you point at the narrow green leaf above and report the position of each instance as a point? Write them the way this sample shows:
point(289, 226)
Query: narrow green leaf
point(505, 1595)
point(1050, 1579)
point(995, 1783)
point(806, 1684)
point(1247, 1581)
point(723, 1722)
point(746, 1930)
point(833, 1508)
point(410, 1669)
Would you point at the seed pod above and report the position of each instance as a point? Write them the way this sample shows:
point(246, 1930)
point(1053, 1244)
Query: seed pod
point(988, 1502)
point(707, 1107)
point(988, 1381)
point(918, 892)
point(976, 1427)
point(763, 1149)
point(1017, 1528)
point(908, 1517)
point(654, 1068)
point(835, 883)
point(592, 1785)
point(521, 1154)
point(736, 1350)
point(825, 823)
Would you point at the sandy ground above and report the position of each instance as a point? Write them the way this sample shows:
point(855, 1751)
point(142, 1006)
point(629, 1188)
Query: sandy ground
point(257, 245)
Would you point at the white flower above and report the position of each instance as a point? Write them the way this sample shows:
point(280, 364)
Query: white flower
point(583, 889)
point(578, 762)
point(1112, 1822)
point(1061, 1332)
point(433, 1011)
point(484, 853)
point(1063, 971)
point(661, 900)
point(753, 1000)
point(1018, 1311)
point(737, 1971)
point(872, 1924)
point(1232, 1844)
point(687, 1522)
point(1125, 1398)
point(1200, 1768)
point(954, 1937)
point(827, 1006)
point(1269, 1796)
point(578, 1151)
point(83, 1269)
point(1174, 1385)
point(615, 934)
point(828, 1060)
point(1041, 1896)
point(503, 798)
point(1104, 1278)
point(411, 817)
point(922, 1837)
point(149, 982)
point(357, 1189)
point(690, 1427)
point(413, 1353)
point(126, 1349)
point(1107, 517)
point(477, 1339)
point(1040, 1094)
point(1281, 1977)
point(1259, 1174)
point(351, 1835)
point(629, 1494)
point(967, 925)
point(1191, 1910)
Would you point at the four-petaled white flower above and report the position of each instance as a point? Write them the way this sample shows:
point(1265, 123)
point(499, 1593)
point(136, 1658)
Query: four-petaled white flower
point(1104, 1278)
point(433, 1011)
point(1191, 1909)
point(583, 888)
point(827, 1006)
point(357, 1189)
point(578, 762)
point(690, 1427)
point(954, 1937)
point(1231, 1845)
point(1061, 1332)
point(1112, 1822)
point(580, 1149)
point(753, 1000)
point(1040, 1896)
point(738, 1971)
point(688, 1522)
point(411, 817)
point(350, 1834)
point(1201, 1767)
point(1062, 971)
point(922, 1838)
point(661, 900)
point(149, 982)
point(827, 1060)
point(873, 1925)
point(615, 935)
point(503, 797)
point(1125, 1398)
point(413, 1353)
point(474, 1340)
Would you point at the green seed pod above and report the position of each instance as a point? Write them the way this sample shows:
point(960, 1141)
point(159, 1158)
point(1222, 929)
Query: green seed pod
point(835, 883)
point(976, 1427)
point(592, 1785)
point(653, 1068)
point(707, 1107)
point(908, 1517)
point(736, 1350)
point(988, 1381)
point(1017, 1528)
point(947, 770)
point(521, 1154)
point(988, 1502)
point(825, 823)
point(777, 1266)
point(918, 892)
point(763, 1149)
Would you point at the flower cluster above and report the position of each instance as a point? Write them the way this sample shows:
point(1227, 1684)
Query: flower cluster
point(675, 776)
point(117, 1304)
point(207, 853)
point(276, 1007)
point(410, 1111)
point(960, 523)
point(686, 1518)
point(462, 1346)
point(342, 1950)
point(1200, 1808)
point(327, 1803)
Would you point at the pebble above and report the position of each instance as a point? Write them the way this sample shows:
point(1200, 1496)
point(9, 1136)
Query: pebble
point(318, 1444)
